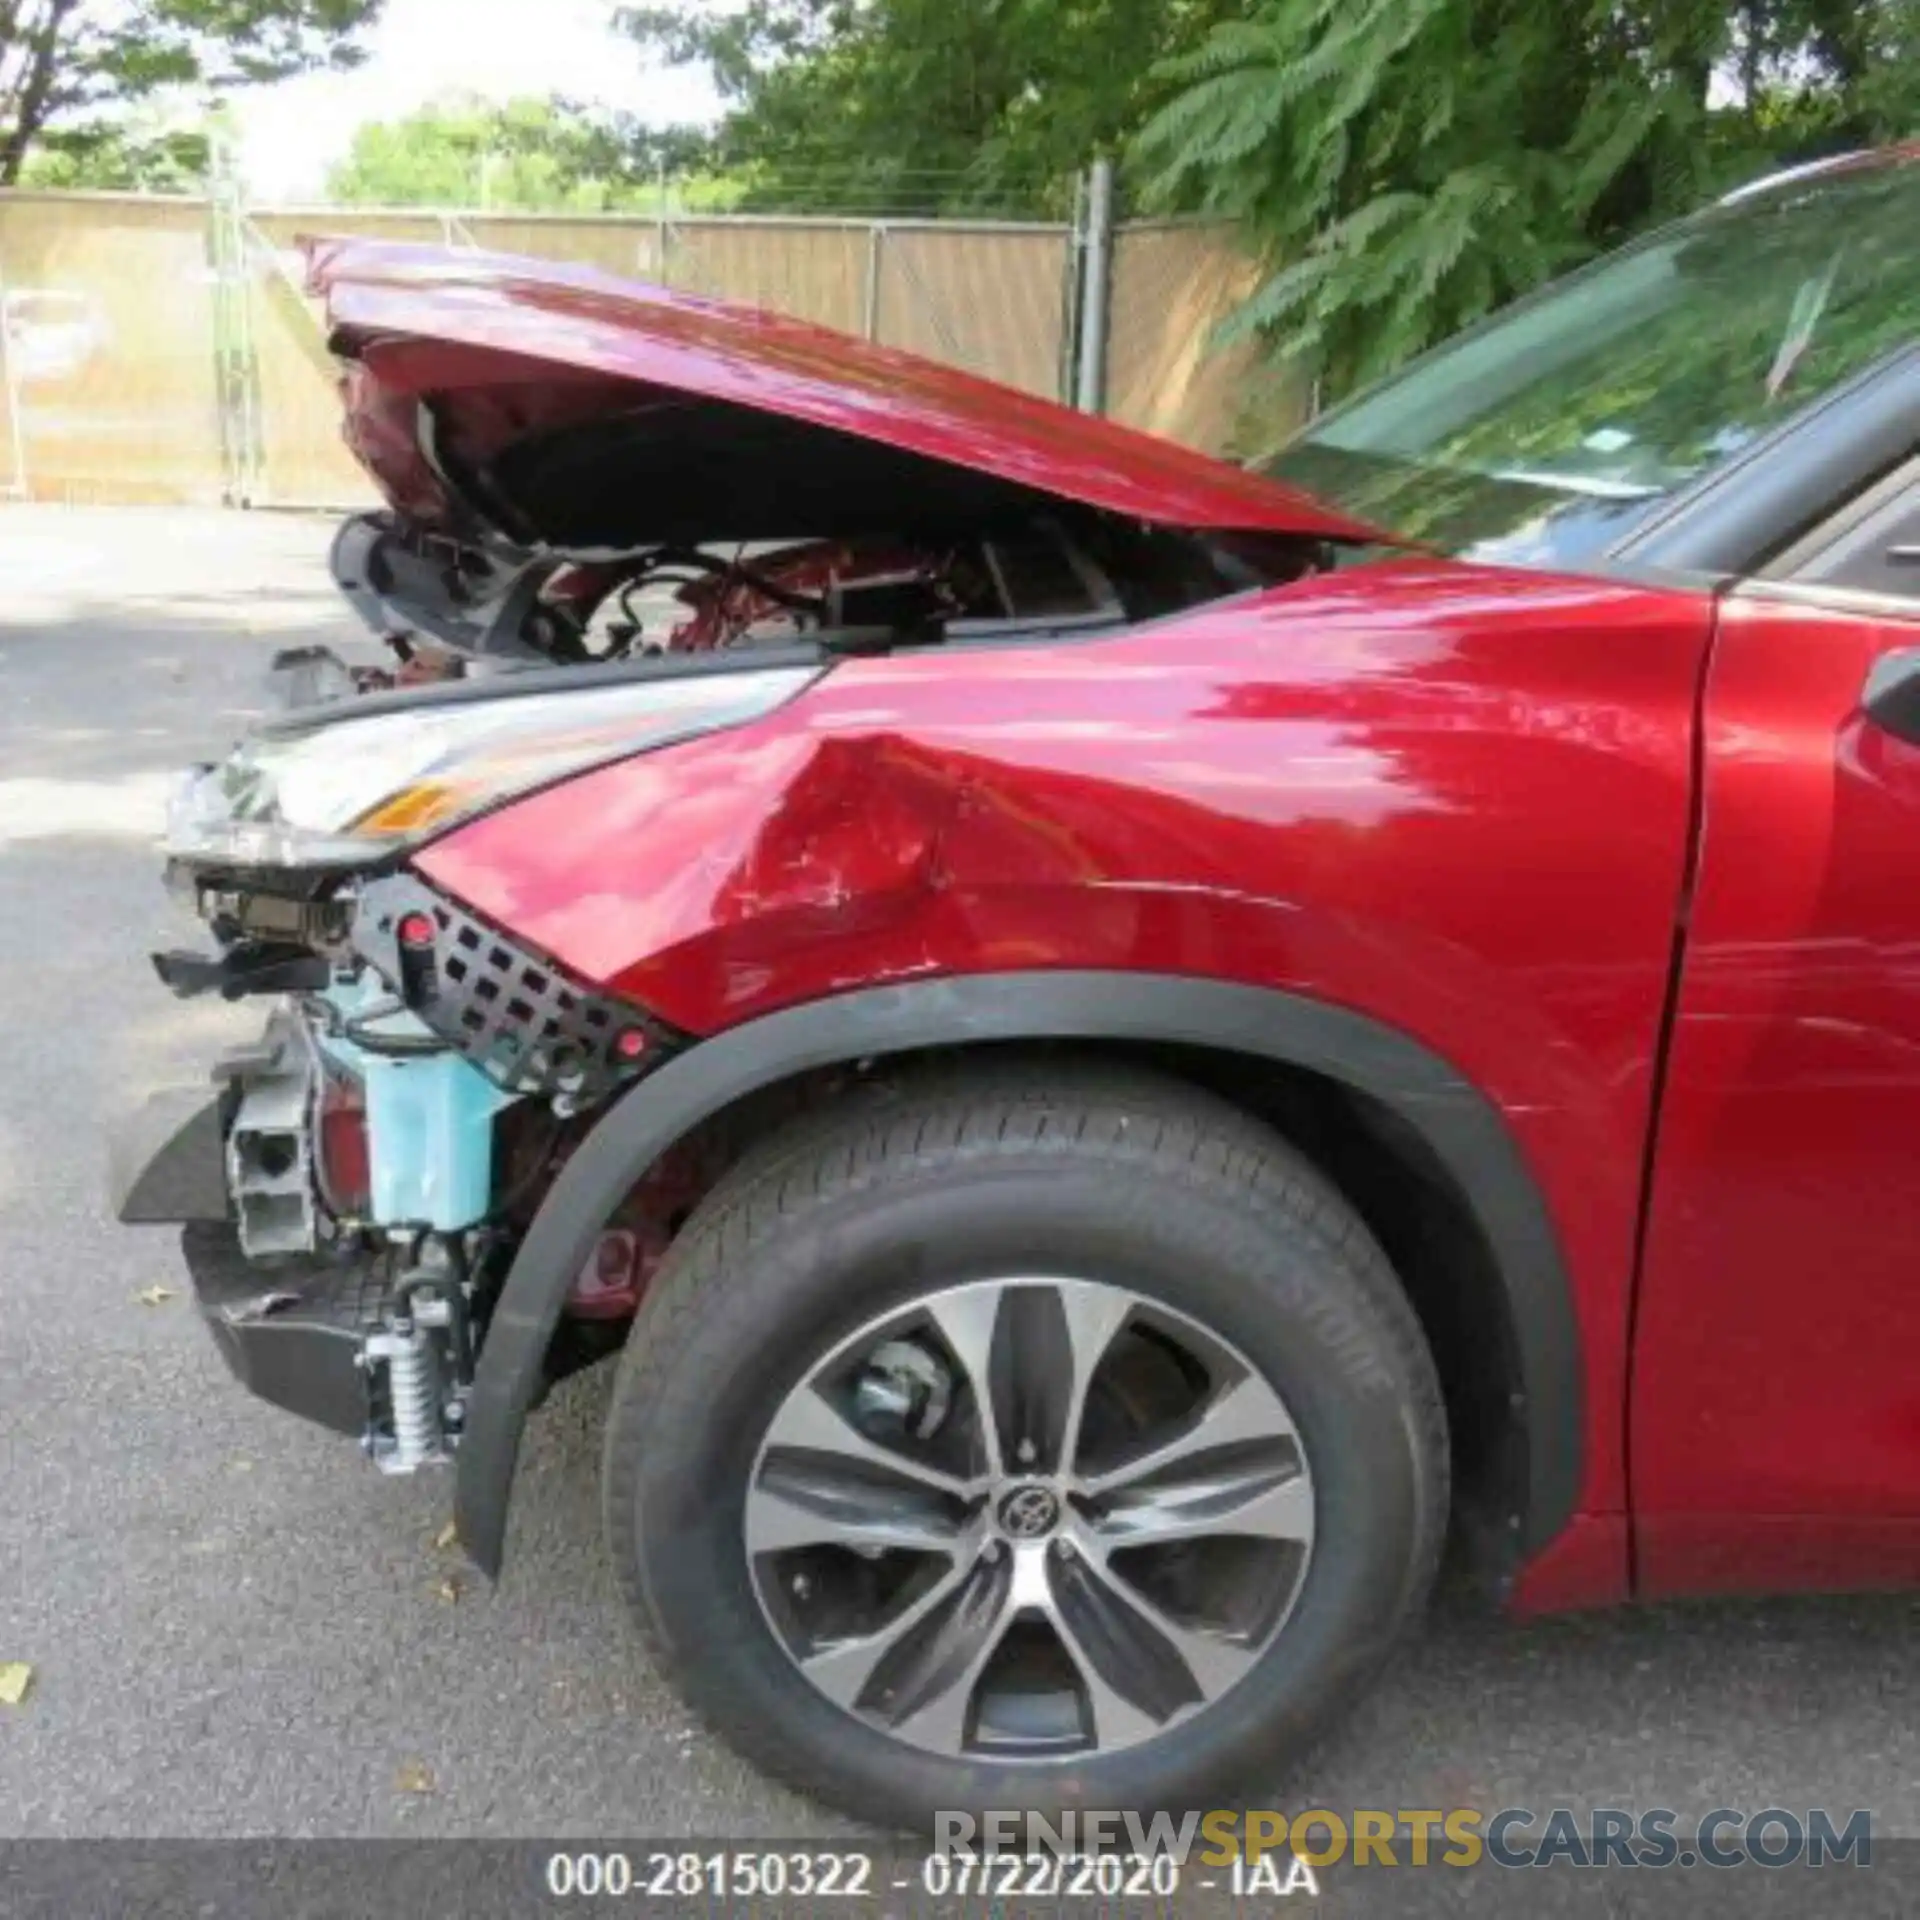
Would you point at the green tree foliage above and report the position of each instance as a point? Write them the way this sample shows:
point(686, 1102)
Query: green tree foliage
point(68, 68)
point(1408, 165)
point(927, 106)
point(134, 158)
point(524, 155)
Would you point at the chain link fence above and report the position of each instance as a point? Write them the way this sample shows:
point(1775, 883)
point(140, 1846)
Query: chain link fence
point(1174, 284)
point(157, 349)
point(107, 324)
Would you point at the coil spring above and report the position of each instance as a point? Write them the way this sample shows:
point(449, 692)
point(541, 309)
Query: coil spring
point(416, 1431)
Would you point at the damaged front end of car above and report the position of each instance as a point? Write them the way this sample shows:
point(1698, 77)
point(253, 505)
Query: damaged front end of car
point(350, 1187)
point(615, 518)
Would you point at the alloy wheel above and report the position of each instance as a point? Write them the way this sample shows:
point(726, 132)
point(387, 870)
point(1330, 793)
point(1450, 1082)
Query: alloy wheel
point(1029, 1518)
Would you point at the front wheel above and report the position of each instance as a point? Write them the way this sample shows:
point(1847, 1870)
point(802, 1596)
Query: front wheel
point(1044, 1440)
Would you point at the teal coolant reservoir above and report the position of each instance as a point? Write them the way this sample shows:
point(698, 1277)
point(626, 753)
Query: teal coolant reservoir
point(429, 1115)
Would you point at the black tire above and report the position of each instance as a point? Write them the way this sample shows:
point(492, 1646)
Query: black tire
point(1074, 1168)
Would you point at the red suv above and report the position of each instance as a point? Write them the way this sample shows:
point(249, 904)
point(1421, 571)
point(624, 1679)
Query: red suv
point(1118, 1044)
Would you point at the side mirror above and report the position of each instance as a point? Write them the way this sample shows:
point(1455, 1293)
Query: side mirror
point(1892, 696)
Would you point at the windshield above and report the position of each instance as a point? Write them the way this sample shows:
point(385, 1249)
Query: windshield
point(1548, 435)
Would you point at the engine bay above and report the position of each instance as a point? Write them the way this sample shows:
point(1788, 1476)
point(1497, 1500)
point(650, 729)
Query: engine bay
point(441, 602)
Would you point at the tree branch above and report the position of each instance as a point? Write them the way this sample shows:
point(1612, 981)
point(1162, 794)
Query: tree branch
point(34, 90)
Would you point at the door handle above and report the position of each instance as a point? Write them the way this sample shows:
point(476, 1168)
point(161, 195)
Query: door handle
point(1891, 699)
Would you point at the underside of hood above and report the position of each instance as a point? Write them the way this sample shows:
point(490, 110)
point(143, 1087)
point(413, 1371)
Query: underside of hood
point(565, 409)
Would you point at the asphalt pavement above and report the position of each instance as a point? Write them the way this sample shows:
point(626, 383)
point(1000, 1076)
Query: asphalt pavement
point(236, 1627)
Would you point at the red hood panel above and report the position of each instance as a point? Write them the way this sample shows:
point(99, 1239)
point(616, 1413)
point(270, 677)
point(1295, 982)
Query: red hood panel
point(581, 322)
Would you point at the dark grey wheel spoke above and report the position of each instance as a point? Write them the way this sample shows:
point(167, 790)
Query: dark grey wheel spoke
point(962, 1607)
point(1116, 1720)
point(1030, 1349)
point(1257, 1496)
point(844, 1670)
point(925, 1690)
point(1094, 1318)
point(1246, 1417)
point(1162, 1663)
point(965, 1319)
point(809, 1423)
point(821, 1499)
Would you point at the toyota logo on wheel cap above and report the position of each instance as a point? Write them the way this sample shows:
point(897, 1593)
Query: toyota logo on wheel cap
point(1028, 1512)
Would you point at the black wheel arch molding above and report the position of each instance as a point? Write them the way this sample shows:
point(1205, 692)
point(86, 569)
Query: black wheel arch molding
point(1458, 1125)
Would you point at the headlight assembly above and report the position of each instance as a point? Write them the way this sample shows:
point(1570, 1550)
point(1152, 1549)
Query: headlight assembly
point(350, 791)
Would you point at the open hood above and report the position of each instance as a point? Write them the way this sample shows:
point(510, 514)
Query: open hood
point(562, 408)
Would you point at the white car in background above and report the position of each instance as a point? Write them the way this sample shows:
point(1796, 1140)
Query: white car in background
point(51, 334)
